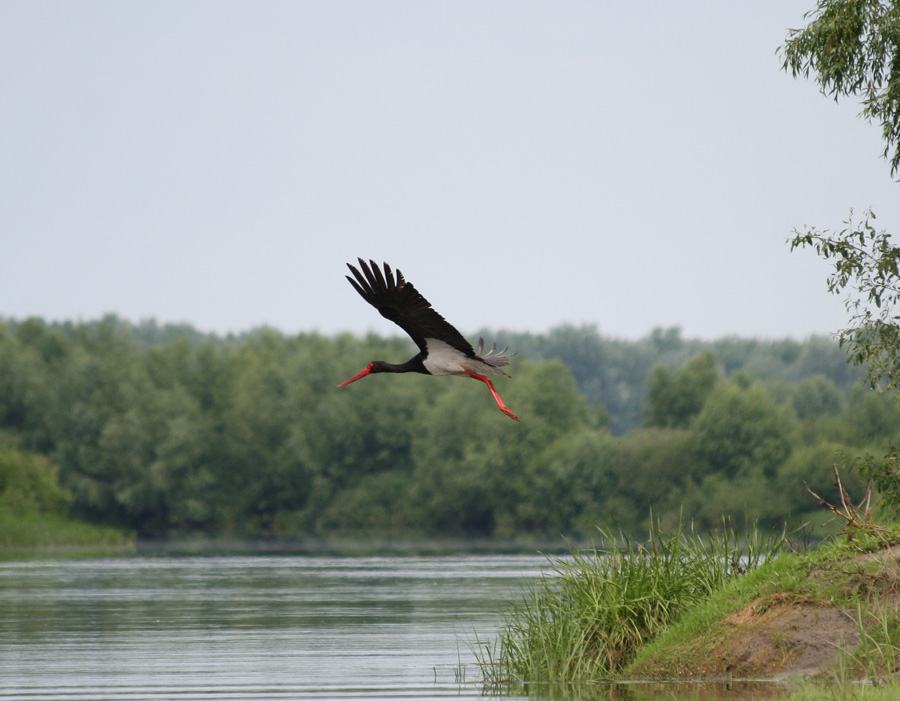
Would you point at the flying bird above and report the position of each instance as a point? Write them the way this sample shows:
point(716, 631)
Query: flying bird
point(442, 349)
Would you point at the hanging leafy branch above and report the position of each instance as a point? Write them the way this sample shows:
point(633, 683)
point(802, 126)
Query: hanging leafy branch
point(853, 48)
point(867, 268)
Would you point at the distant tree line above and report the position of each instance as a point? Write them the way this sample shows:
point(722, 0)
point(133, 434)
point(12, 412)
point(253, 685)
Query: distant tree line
point(168, 431)
point(613, 373)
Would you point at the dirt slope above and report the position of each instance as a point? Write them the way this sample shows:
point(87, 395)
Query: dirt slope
point(783, 634)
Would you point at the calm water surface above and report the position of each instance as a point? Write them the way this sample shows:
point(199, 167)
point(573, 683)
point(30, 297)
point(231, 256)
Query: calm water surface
point(251, 627)
point(254, 627)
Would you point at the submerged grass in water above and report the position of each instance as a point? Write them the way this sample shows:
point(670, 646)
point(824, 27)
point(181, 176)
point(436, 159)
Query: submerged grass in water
point(586, 620)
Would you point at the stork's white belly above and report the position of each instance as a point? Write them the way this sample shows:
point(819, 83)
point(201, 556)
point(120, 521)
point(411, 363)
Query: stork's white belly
point(444, 359)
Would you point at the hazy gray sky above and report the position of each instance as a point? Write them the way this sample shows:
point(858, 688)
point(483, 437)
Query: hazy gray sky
point(525, 164)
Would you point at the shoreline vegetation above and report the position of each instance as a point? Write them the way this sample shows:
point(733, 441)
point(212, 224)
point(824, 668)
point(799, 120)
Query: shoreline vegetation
point(35, 536)
point(34, 513)
point(817, 622)
point(600, 607)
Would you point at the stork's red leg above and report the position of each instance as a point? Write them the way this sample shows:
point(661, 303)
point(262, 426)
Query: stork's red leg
point(505, 409)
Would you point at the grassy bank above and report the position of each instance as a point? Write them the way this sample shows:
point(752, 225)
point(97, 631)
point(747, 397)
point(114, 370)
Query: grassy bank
point(601, 606)
point(34, 509)
point(29, 535)
point(824, 612)
point(684, 608)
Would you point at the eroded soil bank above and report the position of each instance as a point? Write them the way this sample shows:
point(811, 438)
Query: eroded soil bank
point(809, 628)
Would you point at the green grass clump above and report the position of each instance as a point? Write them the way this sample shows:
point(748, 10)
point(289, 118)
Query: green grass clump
point(877, 656)
point(587, 620)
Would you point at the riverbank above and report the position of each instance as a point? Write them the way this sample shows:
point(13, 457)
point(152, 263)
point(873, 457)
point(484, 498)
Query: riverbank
point(681, 608)
point(34, 512)
point(827, 613)
point(31, 535)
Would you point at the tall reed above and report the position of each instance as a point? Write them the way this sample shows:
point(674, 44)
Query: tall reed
point(599, 606)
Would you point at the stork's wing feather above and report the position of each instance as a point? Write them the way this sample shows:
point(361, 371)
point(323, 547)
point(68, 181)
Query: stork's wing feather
point(399, 301)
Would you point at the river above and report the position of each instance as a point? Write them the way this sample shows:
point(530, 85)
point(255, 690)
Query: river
point(259, 627)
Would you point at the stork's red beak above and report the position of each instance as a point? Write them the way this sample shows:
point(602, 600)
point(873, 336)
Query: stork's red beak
point(361, 375)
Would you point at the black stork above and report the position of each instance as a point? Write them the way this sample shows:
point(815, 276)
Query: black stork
point(442, 349)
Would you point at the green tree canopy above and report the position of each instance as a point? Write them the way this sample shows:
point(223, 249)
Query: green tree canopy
point(743, 428)
point(674, 400)
point(168, 432)
point(28, 483)
point(816, 396)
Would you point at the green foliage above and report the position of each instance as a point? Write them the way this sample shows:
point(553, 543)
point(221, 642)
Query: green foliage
point(877, 656)
point(650, 470)
point(706, 642)
point(588, 620)
point(31, 534)
point(564, 489)
point(475, 471)
point(614, 373)
point(811, 467)
point(674, 400)
point(815, 397)
point(884, 472)
point(28, 484)
point(866, 264)
point(743, 429)
point(34, 508)
point(168, 432)
point(853, 47)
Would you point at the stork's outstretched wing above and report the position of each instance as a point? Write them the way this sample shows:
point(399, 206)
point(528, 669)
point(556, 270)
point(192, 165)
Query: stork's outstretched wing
point(397, 300)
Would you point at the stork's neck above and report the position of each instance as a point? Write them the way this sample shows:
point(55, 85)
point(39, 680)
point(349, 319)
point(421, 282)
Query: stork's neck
point(414, 364)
